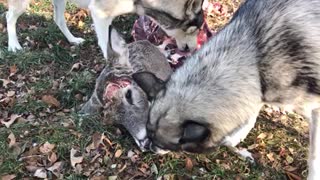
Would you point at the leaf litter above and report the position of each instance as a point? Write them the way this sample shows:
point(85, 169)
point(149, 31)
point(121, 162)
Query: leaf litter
point(107, 157)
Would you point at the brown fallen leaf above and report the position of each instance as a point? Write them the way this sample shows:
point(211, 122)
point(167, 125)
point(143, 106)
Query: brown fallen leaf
point(12, 140)
point(56, 169)
point(75, 160)
point(32, 168)
point(11, 93)
point(40, 173)
point(290, 168)
point(13, 118)
point(51, 101)
point(5, 82)
point(8, 177)
point(46, 148)
point(188, 164)
point(53, 157)
point(270, 157)
point(262, 136)
point(13, 70)
point(98, 178)
point(76, 66)
point(118, 153)
point(292, 176)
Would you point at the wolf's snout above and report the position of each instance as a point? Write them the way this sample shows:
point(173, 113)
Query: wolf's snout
point(144, 144)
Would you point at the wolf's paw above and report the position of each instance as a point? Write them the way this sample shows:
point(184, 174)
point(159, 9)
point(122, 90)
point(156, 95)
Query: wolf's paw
point(247, 155)
point(14, 47)
point(77, 41)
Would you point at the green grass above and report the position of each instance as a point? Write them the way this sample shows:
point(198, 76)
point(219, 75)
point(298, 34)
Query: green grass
point(44, 68)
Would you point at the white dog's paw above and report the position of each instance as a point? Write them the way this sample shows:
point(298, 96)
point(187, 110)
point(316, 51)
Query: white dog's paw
point(14, 47)
point(247, 155)
point(77, 41)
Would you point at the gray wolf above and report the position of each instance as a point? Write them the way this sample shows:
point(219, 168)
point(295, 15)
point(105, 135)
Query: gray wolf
point(180, 19)
point(269, 53)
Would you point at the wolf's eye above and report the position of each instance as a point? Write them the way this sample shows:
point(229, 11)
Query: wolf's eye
point(128, 96)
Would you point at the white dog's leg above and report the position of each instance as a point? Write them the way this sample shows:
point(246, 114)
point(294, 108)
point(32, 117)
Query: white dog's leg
point(314, 152)
point(59, 8)
point(103, 12)
point(15, 10)
point(244, 153)
point(101, 26)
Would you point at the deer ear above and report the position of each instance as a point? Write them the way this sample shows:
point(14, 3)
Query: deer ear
point(149, 83)
point(116, 44)
point(193, 7)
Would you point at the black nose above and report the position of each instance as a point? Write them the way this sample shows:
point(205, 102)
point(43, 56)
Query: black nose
point(145, 143)
point(186, 48)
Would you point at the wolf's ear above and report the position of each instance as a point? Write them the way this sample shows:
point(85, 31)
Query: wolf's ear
point(194, 132)
point(194, 7)
point(149, 83)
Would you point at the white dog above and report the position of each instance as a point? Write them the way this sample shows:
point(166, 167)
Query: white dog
point(180, 19)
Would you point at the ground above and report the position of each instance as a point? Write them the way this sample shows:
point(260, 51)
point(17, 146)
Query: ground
point(41, 135)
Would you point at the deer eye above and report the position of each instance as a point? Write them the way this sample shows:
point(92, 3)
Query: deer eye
point(128, 96)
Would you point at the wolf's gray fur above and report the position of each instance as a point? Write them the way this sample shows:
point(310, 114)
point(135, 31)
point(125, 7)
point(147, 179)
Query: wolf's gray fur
point(130, 106)
point(268, 53)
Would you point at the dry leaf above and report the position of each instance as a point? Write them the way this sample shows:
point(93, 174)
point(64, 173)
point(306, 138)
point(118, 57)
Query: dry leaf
point(41, 173)
point(289, 159)
point(290, 168)
point(51, 101)
point(12, 140)
point(46, 148)
point(13, 70)
point(98, 178)
point(8, 177)
point(76, 66)
point(11, 93)
point(13, 118)
point(80, 24)
point(262, 136)
point(189, 164)
point(270, 157)
point(75, 160)
point(292, 176)
point(56, 168)
point(118, 153)
point(32, 168)
point(112, 177)
point(253, 146)
point(53, 158)
point(5, 82)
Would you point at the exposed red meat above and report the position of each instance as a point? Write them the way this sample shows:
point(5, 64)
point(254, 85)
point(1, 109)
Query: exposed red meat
point(146, 29)
point(113, 87)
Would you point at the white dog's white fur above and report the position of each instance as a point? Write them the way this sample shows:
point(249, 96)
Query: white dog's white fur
point(180, 19)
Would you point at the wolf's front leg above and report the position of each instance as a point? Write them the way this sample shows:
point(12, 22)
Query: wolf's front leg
point(59, 8)
point(15, 10)
point(101, 26)
point(236, 137)
point(314, 151)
